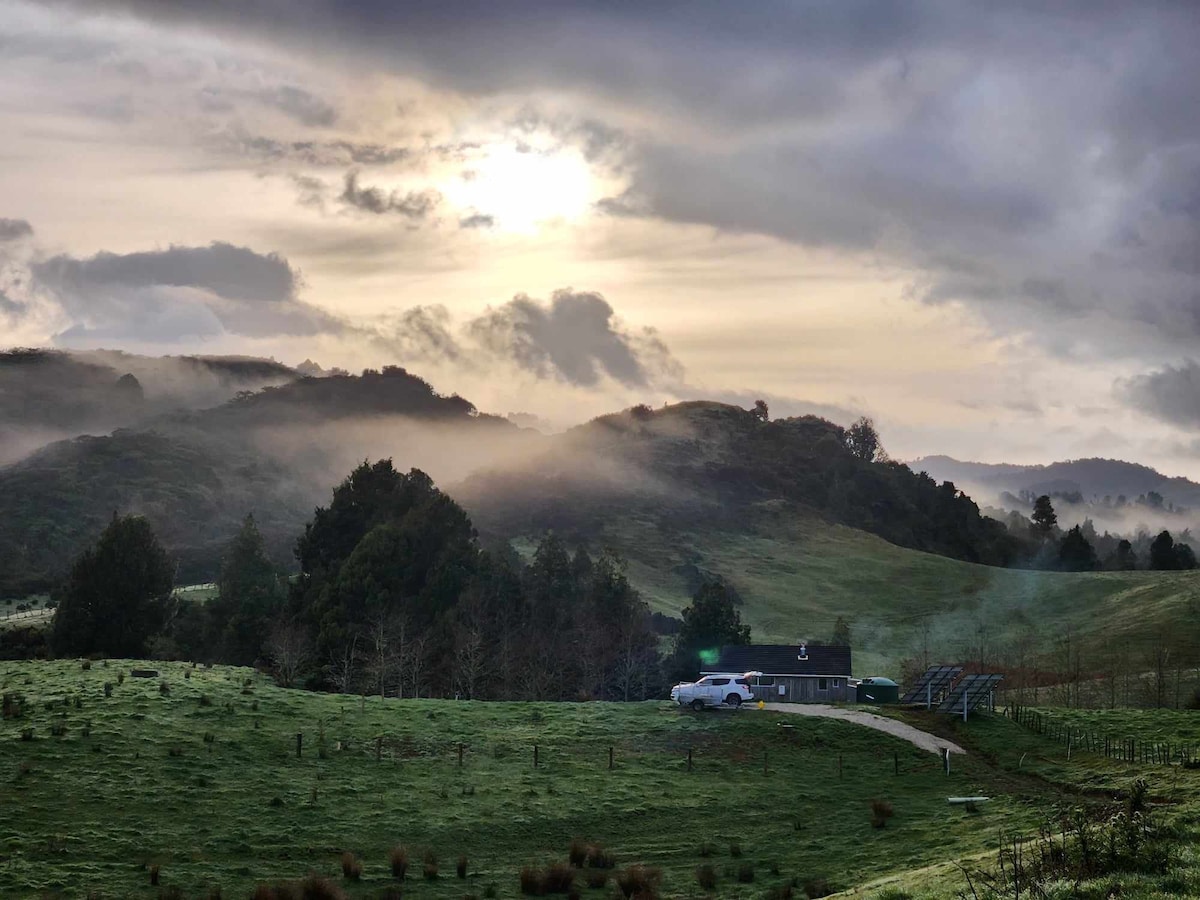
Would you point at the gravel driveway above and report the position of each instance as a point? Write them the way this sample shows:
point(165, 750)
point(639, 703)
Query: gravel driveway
point(914, 736)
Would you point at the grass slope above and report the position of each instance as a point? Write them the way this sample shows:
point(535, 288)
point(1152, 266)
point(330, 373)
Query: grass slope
point(797, 574)
point(214, 793)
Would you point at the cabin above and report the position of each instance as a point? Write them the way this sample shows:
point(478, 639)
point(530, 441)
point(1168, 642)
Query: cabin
point(790, 673)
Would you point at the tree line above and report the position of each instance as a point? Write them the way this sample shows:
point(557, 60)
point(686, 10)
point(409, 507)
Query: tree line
point(395, 597)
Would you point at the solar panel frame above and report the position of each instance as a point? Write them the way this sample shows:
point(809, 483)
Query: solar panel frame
point(935, 680)
point(971, 690)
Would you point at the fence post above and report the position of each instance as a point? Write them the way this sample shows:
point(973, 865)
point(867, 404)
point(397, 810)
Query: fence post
point(535, 756)
point(299, 743)
point(896, 761)
point(839, 765)
point(610, 757)
point(689, 759)
point(765, 762)
point(378, 748)
point(460, 752)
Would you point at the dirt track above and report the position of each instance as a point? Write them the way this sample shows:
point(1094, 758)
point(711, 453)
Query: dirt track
point(914, 736)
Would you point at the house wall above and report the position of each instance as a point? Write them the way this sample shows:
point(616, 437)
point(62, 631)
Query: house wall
point(802, 689)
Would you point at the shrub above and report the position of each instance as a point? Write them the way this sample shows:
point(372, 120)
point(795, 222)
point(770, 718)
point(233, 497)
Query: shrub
point(351, 867)
point(120, 678)
point(639, 881)
point(187, 674)
point(817, 887)
point(597, 878)
point(430, 868)
point(460, 869)
point(163, 687)
point(706, 877)
point(881, 811)
point(154, 874)
point(86, 665)
point(205, 700)
point(745, 873)
point(577, 854)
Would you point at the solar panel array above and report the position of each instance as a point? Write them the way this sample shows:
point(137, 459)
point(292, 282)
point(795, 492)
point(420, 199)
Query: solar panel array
point(931, 685)
point(969, 693)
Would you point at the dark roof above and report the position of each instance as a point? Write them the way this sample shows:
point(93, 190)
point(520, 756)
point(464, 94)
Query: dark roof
point(782, 659)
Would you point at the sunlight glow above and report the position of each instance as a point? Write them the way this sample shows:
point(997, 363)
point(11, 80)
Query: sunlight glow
point(525, 189)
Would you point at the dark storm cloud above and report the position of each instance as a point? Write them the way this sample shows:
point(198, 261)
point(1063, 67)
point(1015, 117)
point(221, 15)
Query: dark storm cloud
point(414, 205)
point(573, 338)
point(1171, 393)
point(1039, 162)
point(14, 230)
point(178, 294)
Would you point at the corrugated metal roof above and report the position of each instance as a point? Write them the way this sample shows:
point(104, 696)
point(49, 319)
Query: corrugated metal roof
point(782, 659)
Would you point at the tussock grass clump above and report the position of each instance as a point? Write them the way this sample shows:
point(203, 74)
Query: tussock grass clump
point(429, 868)
point(390, 893)
point(745, 873)
point(351, 867)
point(86, 665)
point(881, 811)
point(558, 878)
point(175, 751)
point(277, 802)
point(27, 733)
point(120, 678)
point(460, 868)
point(639, 881)
point(163, 687)
point(12, 706)
point(597, 878)
point(205, 700)
point(817, 887)
point(706, 876)
point(312, 887)
point(780, 892)
point(735, 850)
point(58, 727)
point(530, 880)
point(577, 853)
point(209, 737)
point(187, 674)
point(154, 872)
point(599, 858)
point(108, 688)
point(490, 892)
point(77, 702)
point(24, 768)
point(171, 892)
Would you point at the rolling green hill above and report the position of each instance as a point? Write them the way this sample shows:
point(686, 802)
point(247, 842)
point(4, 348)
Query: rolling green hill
point(797, 573)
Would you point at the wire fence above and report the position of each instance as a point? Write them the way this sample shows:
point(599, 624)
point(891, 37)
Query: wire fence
point(1130, 750)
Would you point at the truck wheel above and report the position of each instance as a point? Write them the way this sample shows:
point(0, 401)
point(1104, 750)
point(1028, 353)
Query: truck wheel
point(698, 705)
point(734, 700)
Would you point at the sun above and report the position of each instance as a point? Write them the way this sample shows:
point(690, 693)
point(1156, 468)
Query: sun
point(523, 189)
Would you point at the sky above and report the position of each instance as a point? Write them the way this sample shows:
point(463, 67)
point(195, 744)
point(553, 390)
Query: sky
point(977, 223)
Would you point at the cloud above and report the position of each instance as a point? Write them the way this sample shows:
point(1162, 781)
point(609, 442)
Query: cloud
point(305, 108)
point(178, 294)
point(477, 220)
point(9, 308)
point(414, 205)
point(14, 230)
point(1171, 393)
point(575, 338)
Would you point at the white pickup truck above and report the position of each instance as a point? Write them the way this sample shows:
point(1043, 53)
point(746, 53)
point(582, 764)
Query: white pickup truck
point(715, 690)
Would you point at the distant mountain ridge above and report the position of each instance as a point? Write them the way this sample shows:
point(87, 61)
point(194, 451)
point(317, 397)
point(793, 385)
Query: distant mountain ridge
point(1092, 477)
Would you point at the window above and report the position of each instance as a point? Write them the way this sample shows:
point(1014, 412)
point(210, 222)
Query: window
point(837, 683)
point(719, 681)
point(764, 680)
point(745, 682)
point(822, 684)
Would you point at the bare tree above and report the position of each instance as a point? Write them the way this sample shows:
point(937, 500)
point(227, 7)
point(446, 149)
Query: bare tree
point(470, 659)
point(386, 635)
point(290, 649)
point(343, 666)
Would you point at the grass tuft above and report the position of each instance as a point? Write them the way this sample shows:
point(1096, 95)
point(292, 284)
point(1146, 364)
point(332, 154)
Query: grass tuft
point(351, 867)
point(881, 811)
point(706, 876)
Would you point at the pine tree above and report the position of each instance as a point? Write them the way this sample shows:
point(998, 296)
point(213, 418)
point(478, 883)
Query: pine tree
point(115, 596)
point(710, 623)
point(1044, 517)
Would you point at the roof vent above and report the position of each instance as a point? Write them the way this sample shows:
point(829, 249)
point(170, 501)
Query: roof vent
point(803, 654)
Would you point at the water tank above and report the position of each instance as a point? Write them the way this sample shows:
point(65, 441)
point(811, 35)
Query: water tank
point(878, 690)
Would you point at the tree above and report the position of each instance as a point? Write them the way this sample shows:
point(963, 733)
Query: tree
point(711, 622)
point(1185, 556)
point(1162, 552)
point(841, 633)
point(863, 440)
point(1075, 553)
point(116, 594)
point(1044, 518)
point(1123, 558)
point(760, 411)
point(249, 595)
point(290, 650)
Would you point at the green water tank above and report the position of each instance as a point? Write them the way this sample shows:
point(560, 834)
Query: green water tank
point(878, 690)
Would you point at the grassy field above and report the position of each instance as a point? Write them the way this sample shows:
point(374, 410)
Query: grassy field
point(204, 781)
point(797, 575)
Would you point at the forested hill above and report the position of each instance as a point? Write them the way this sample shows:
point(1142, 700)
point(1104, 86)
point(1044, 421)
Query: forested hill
point(1092, 479)
point(704, 465)
point(274, 453)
